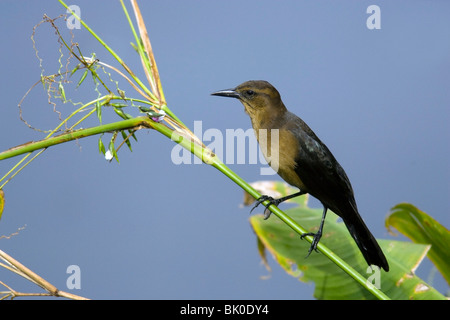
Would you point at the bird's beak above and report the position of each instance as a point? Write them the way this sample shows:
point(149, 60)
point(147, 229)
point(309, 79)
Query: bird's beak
point(231, 93)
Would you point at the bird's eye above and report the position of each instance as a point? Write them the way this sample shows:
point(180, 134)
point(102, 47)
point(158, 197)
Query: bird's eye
point(250, 92)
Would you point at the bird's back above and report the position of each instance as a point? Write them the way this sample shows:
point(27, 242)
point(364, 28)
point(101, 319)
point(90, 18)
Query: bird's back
point(325, 179)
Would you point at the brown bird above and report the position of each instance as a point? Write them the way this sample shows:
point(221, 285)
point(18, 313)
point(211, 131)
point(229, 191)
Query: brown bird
point(305, 162)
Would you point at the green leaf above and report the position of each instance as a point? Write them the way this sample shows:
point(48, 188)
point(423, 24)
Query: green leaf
point(118, 105)
point(134, 47)
point(2, 202)
point(289, 251)
point(101, 146)
point(144, 109)
point(43, 81)
point(82, 78)
point(98, 108)
point(122, 114)
point(62, 92)
point(132, 134)
point(421, 228)
point(127, 141)
point(75, 69)
point(112, 149)
point(121, 93)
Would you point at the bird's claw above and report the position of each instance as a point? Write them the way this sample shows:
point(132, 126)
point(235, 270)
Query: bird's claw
point(314, 243)
point(261, 200)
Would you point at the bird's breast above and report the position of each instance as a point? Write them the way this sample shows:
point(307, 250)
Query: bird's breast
point(280, 149)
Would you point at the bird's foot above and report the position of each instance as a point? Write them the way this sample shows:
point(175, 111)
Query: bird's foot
point(261, 200)
point(314, 243)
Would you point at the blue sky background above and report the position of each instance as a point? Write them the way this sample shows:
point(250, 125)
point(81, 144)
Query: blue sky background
point(149, 229)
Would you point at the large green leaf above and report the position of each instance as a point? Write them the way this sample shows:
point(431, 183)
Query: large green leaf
point(421, 228)
point(331, 282)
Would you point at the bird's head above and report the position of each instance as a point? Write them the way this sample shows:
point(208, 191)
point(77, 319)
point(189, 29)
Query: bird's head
point(258, 97)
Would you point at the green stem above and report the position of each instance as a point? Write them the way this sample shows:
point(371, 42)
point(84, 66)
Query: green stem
point(300, 230)
point(219, 165)
point(20, 169)
point(147, 64)
point(139, 47)
point(78, 134)
point(116, 56)
point(113, 53)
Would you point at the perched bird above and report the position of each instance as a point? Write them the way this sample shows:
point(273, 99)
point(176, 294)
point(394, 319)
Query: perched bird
point(305, 162)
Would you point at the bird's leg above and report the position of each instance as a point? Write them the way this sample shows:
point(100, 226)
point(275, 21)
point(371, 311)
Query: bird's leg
point(273, 201)
point(316, 235)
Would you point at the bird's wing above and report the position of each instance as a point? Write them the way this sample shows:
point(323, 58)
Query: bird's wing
point(322, 175)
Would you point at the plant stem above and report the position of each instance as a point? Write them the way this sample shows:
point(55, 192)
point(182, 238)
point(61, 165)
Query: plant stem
point(113, 53)
point(18, 268)
point(82, 133)
point(205, 155)
point(300, 230)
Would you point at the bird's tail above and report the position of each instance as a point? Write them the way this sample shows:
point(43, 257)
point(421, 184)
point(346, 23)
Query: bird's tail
point(366, 242)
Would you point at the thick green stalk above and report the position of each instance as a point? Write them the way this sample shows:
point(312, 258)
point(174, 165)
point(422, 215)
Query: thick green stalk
point(82, 133)
point(300, 230)
point(205, 155)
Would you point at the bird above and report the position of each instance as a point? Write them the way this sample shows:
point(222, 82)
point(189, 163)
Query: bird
point(303, 161)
